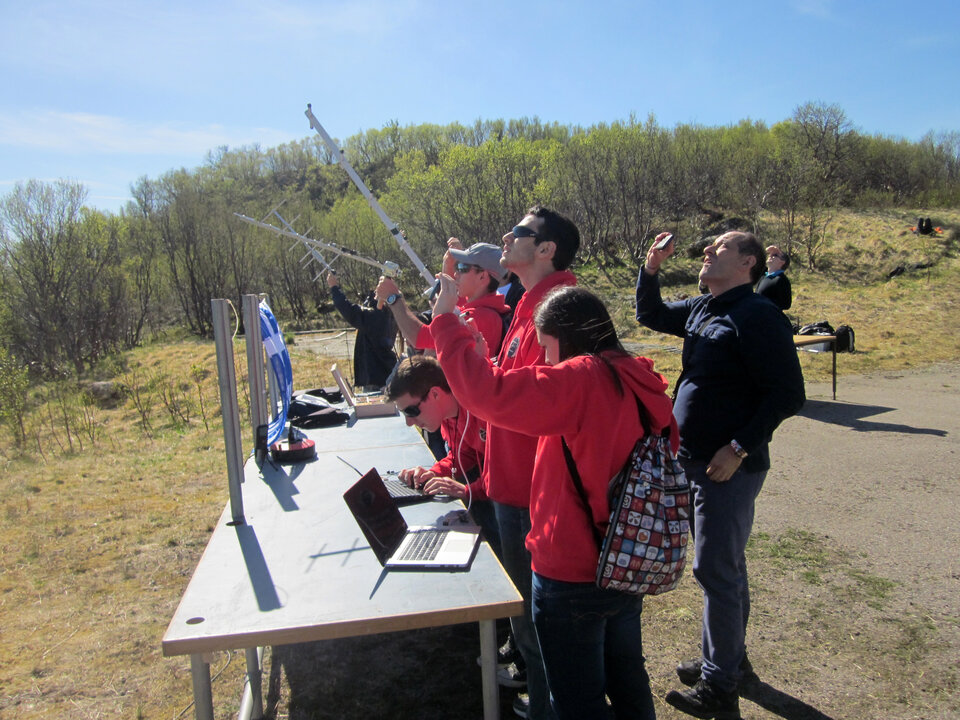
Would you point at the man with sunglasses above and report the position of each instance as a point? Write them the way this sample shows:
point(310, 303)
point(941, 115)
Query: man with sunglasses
point(420, 391)
point(478, 274)
point(774, 285)
point(539, 250)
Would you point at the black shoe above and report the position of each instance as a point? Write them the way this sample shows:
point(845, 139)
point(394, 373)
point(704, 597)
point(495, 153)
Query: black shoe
point(512, 677)
point(689, 672)
point(506, 655)
point(706, 701)
point(521, 705)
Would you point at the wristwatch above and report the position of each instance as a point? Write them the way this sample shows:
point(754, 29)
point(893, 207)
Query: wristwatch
point(392, 298)
point(738, 449)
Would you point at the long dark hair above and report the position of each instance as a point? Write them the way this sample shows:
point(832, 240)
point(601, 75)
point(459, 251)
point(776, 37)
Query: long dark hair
point(580, 322)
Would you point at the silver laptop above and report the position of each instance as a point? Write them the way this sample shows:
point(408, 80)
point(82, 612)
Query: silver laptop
point(401, 547)
point(364, 406)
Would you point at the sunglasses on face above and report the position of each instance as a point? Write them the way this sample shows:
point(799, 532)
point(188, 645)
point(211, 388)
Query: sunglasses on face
point(522, 231)
point(463, 268)
point(413, 411)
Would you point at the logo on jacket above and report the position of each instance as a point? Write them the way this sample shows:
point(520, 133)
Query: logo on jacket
point(483, 434)
point(514, 346)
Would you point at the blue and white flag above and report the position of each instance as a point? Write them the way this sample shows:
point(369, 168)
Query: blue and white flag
point(280, 367)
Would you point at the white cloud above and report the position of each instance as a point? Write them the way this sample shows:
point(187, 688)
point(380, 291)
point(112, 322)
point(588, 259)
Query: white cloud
point(84, 133)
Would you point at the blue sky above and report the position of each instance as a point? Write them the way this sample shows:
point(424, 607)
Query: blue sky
point(104, 91)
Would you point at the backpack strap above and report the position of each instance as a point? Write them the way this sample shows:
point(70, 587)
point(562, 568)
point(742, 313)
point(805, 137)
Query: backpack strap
point(578, 484)
point(575, 474)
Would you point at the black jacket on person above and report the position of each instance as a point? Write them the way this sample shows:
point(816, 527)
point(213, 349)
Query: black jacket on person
point(776, 288)
point(373, 355)
point(741, 377)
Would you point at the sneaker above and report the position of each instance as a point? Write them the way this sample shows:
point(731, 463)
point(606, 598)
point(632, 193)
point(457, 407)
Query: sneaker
point(506, 654)
point(689, 672)
point(521, 705)
point(706, 701)
point(512, 677)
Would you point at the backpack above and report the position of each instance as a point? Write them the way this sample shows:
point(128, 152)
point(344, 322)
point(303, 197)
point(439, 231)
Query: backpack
point(645, 549)
point(821, 327)
point(845, 338)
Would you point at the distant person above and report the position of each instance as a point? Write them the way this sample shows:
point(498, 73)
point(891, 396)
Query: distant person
point(740, 379)
point(587, 394)
point(774, 285)
point(421, 392)
point(478, 273)
point(373, 353)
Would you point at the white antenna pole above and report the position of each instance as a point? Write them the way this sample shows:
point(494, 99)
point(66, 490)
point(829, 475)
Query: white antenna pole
point(371, 200)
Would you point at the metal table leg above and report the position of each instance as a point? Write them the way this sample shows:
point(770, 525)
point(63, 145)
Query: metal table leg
point(202, 693)
point(488, 667)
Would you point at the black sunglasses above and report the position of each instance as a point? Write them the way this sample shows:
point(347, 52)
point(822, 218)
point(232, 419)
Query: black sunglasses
point(413, 411)
point(465, 268)
point(522, 231)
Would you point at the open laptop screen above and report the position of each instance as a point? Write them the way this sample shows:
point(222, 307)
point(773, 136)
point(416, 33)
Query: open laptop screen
point(377, 515)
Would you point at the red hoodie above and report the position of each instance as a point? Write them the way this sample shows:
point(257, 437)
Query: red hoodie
point(579, 400)
point(509, 454)
point(462, 436)
point(487, 314)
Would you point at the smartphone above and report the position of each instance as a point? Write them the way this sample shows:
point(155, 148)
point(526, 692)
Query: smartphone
point(663, 243)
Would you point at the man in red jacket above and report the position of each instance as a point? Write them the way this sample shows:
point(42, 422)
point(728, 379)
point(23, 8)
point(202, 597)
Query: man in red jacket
point(539, 249)
point(421, 392)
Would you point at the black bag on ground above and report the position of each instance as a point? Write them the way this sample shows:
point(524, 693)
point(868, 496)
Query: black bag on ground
point(821, 327)
point(845, 338)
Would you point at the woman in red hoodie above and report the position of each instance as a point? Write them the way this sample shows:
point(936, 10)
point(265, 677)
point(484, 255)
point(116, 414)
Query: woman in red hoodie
point(587, 394)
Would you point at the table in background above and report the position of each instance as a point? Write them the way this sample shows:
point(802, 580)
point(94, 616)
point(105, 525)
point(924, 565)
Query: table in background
point(300, 570)
point(800, 341)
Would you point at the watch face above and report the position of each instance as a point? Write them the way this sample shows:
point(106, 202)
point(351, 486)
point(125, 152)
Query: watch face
point(391, 299)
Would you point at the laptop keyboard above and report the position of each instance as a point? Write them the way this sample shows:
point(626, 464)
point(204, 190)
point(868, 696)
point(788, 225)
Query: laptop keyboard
point(396, 488)
point(425, 545)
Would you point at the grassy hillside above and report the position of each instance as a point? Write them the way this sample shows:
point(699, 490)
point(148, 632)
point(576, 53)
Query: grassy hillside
point(105, 512)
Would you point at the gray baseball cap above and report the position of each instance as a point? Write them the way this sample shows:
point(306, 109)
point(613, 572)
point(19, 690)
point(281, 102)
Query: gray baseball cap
point(484, 255)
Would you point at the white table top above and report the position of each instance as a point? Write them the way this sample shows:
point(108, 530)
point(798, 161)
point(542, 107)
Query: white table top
point(300, 569)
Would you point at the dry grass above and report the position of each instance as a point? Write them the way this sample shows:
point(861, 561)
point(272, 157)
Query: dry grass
point(96, 546)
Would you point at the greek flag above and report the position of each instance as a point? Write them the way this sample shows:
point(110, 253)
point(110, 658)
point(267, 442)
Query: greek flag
point(280, 367)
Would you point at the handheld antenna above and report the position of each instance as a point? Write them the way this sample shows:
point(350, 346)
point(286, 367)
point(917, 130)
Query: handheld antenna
point(371, 200)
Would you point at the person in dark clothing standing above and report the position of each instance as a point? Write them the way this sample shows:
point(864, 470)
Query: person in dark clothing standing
point(774, 285)
point(373, 354)
point(740, 379)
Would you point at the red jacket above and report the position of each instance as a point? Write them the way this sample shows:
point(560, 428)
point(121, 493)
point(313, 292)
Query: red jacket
point(462, 435)
point(579, 400)
point(487, 314)
point(509, 454)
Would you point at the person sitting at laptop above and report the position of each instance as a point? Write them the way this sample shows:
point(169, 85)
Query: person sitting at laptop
point(420, 391)
point(587, 394)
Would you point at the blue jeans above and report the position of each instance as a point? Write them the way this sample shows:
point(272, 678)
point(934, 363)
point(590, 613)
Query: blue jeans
point(592, 646)
point(514, 524)
point(722, 521)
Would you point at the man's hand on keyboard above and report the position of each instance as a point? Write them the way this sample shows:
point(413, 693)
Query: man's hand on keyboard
point(416, 477)
point(444, 486)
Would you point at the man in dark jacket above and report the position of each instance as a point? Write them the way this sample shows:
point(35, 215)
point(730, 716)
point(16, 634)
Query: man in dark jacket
point(740, 379)
point(373, 355)
point(774, 285)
